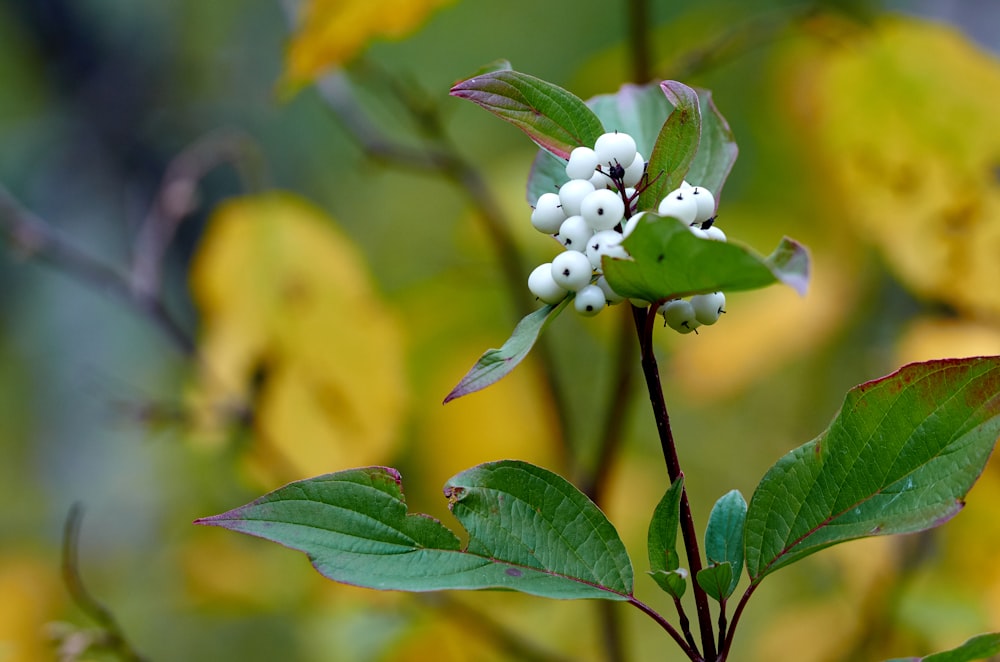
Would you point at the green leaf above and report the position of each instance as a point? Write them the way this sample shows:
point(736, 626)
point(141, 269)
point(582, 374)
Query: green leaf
point(495, 364)
point(547, 174)
point(898, 458)
point(724, 536)
point(675, 146)
point(529, 530)
point(674, 582)
point(979, 647)
point(668, 261)
point(717, 150)
point(555, 119)
point(717, 579)
point(661, 541)
point(636, 110)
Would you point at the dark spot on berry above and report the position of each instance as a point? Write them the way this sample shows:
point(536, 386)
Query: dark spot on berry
point(617, 171)
point(566, 272)
point(589, 308)
point(596, 247)
point(568, 241)
point(707, 224)
point(600, 211)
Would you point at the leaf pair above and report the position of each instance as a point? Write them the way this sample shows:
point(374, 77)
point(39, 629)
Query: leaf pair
point(899, 457)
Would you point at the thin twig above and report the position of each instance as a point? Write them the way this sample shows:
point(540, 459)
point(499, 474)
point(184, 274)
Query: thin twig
point(643, 326)
point(685, 623)
point(33, 237)
point(443, 158)
point(640, 42)
point(689, 650)
point(114, 639)
point(177, 197)
point(734, 42)
point(728, 645)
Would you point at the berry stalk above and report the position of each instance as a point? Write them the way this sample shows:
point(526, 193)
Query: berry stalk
point(651, 373)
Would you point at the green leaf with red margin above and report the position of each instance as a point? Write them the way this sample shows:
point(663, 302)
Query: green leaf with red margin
point(555, 119)
point(899, 458)
point(668, 261)
point(529, 530)
point(675, 147)
point(495, 364)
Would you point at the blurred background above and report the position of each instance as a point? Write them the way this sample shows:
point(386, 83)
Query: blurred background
point(250, 241)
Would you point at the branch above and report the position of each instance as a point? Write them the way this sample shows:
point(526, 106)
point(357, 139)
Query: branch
point(114, 638)
point(689, 650)
point(177, 197)
point(32, 237)
point(643, 326)
point(441, 157)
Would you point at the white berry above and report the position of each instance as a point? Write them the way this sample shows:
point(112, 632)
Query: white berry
point(610, 295)
point(715, 233)
point(600, 180)
point(708, 307)
point(547, 215)
point(615, 148)
point(679, 315)
point(605, 242)
point(543, 286)
point(603, 209)
point(574, 233)
point(705, 202)
point(631, 223)
point(635, 170)
point(679, 204)
point(589, 300)
point(582, 163)
point(572, 193)
point(572, 270)
point(698, 232)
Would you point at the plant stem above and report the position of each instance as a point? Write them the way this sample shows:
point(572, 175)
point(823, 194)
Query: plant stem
point(722, 623)
point(639, 40)
point(685, 623)
point(114, 640)
point(689, 650)
point(727, 646)
point(644, 326)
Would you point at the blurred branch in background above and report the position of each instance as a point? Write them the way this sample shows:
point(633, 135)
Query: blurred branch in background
point(74, 644)
point(141, 286)
point(177, 198)
point(441, 157)
point(32, 237)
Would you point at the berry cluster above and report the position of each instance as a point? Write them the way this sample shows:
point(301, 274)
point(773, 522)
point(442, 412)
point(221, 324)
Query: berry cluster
point(594, 211)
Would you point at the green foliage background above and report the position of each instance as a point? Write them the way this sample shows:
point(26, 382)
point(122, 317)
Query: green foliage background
point(97, 97)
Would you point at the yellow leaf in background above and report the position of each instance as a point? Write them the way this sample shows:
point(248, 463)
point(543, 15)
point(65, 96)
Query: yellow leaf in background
point(928, 338)
point(292, 324)
point(331, 32)
point(904, 117)
point(31, 596)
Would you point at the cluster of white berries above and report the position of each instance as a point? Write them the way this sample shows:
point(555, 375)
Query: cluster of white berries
point(594, 211)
